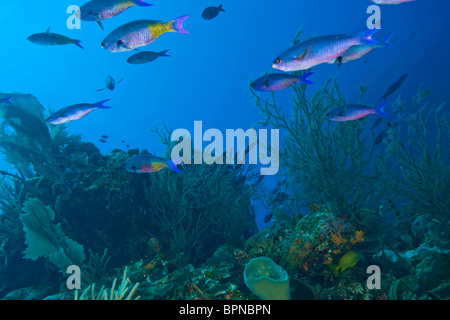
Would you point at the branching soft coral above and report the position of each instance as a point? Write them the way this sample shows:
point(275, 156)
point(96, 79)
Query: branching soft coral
point(424, 160)
point(330, 162)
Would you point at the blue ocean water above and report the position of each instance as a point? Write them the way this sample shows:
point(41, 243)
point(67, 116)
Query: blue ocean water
point(207, 75)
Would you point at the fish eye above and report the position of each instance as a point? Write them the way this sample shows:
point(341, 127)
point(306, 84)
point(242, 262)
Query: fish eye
point(278, 61)
point(133, 168)
point(104, 43)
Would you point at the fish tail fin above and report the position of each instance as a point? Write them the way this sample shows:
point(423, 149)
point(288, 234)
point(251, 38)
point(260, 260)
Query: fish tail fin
point(7, 100)
point(177, 25)
point(387, 44)
point(303, 78)
point(220, 8)
point(380, 109)
point(164, 53)
point(100, 105)
point(172, 164)
point(142, 3)
point(365, 37)
point(77, 43)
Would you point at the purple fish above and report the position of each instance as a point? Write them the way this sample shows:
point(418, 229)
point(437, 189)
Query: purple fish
point(146, 163)
point(354, 112)
point(75, 112)
point(52, 39)
point(391, 1)
point(97, 10)
point(356, 52)
point(140, 33)
point(319, 50)
point(278, 81)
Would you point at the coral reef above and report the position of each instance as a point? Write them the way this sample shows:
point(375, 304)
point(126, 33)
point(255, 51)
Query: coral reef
point(343, 204)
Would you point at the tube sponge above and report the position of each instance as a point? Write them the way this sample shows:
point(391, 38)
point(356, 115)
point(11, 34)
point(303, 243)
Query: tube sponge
point(266, 279)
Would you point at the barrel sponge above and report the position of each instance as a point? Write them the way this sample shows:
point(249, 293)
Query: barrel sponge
point(266, 279)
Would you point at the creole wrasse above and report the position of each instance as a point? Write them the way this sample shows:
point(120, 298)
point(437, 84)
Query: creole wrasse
point(356, 52)
point(97, 10)
point(52, 39)
point(75, 112)
point(354, 112)
point(140, 33)
point(278, 81)
point(314, 51)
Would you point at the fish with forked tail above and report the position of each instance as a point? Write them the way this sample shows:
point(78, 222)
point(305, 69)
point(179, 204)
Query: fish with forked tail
point(312, 52)
point(212, 12)
point(75, 112)
point(52, 39)
point(278, 81)
point(97, 10)
point(135, 34)
point(354, 112)
point(391, 1)
point(146, 56)
point(356, 52)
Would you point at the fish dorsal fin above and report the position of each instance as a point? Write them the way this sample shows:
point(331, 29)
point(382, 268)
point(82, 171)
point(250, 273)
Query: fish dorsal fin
point(304, 53)
point(100, 24)
point(48, 31)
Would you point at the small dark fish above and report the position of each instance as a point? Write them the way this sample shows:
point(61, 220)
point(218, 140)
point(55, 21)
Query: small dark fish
point(376, 123)
point(380, 138)
point(123, 141)
point(394, 87)
point(102, 140)
point(146, 163)
point(105, 137)
point(268, 217)
point(146, 56)
point(97, 10)
point(52, 39)
point(128, 146)
point(354, 112)
point(211, 12)
point(279, 81)
point(75, 112)
point(110, 83)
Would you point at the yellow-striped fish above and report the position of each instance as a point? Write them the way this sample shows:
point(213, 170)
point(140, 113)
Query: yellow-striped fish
point(140, 33)
point(348, 260)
